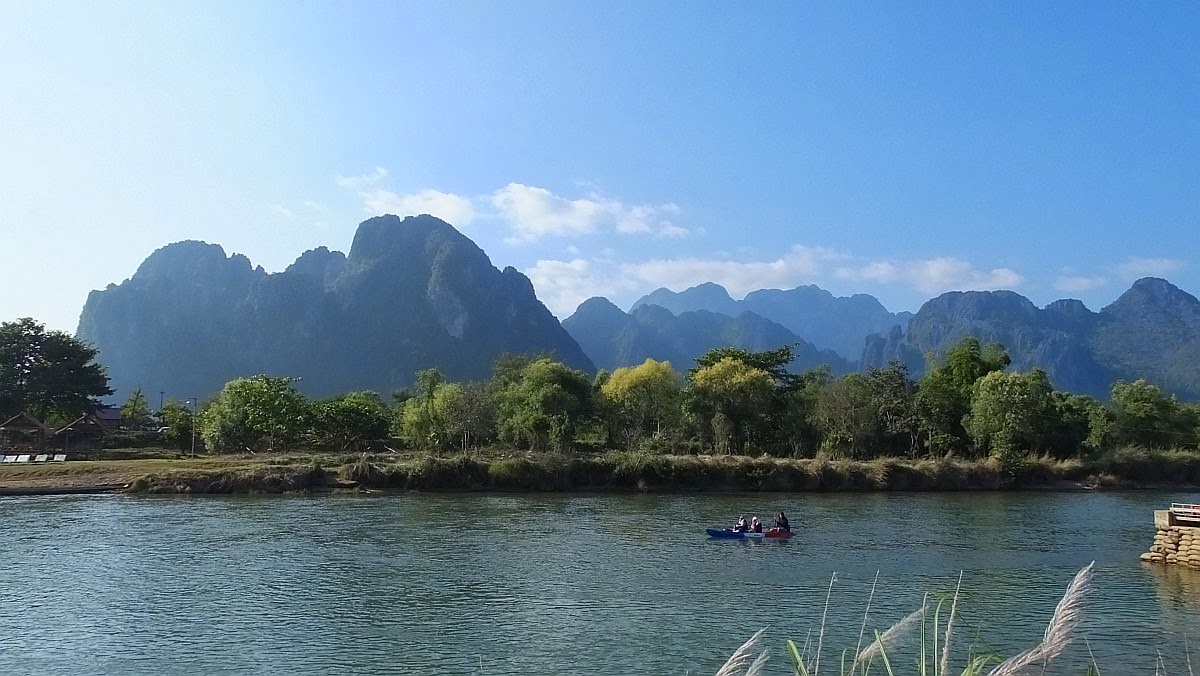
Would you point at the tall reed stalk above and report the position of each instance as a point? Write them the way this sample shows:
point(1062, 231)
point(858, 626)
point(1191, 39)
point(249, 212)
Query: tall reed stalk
point(1059, 633)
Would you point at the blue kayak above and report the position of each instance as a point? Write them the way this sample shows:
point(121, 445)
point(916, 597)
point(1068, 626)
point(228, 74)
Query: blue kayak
point(731, 534)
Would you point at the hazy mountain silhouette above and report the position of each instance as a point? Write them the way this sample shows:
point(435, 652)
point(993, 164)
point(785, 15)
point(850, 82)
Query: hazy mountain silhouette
point(416, 293)
point(828, 322)
point(613, 338)
point(1151, 331)
point(412, 294)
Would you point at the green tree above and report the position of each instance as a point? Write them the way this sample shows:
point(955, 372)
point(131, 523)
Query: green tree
point(893, 400)
point(349, 422)
point(1009, 413)
point(776, 420)
point(136, 410)
point(797, 423)
point(471, 413)
point(645, 398)
point(968, 361)
point(733, 399)
point(1068, 430)
point(47, 373)
point(257, 413)
point(431, 421)
point(415, 424)
point(940, 409)
point(179, 421)
point(846, 416)
point(773, 362)
point(508, 369)
point(545, 407)
point(1146, 416)
point(423, 423)
point(428, 381)
point(943, 396)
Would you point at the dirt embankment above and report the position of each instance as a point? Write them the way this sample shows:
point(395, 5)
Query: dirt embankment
point(613, 471)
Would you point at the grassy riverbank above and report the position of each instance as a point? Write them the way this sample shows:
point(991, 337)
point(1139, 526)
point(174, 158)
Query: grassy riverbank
point(613, 471)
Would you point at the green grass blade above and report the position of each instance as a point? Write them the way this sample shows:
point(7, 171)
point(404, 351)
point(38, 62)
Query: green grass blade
point(887, 664)
point(797, 659)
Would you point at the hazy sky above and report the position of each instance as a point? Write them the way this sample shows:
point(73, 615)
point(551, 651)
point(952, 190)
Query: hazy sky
point(610, 148)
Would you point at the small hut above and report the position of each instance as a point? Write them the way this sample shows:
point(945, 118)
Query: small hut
point(84, 432)
point(110, 418)
point(23, 431)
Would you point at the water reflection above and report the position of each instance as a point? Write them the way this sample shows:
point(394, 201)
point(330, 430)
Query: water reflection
point(1178, 587)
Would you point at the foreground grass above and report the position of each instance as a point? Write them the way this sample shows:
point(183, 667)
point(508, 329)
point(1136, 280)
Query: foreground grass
point(933, 643)
point(612, 471)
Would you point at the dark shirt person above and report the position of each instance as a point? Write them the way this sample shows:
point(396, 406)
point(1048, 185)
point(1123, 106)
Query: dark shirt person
point(781, 522)
point(740, 526)
point(755, 525)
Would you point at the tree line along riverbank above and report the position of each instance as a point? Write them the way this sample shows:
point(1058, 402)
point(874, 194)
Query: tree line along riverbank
point(536, 424)
point(617, 471)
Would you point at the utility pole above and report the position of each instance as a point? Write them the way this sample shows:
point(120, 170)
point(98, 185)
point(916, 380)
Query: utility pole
point(193, 400)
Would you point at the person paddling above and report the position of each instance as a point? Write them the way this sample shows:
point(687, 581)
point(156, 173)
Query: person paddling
point(740, 526)
point(781, 522)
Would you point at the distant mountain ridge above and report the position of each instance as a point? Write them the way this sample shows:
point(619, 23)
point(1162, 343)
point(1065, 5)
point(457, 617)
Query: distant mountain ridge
point(613, 338)
point(412, 294)
point(416, 293)
point(1151, 331)
point(829, 322)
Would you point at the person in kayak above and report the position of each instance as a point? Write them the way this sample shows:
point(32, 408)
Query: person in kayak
point(781, 522)
point(755, 525)
point(740, 526)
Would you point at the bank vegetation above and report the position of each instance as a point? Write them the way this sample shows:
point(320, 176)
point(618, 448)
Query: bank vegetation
point(735, 420)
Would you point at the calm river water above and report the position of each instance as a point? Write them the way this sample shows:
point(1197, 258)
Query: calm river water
point(585, 584)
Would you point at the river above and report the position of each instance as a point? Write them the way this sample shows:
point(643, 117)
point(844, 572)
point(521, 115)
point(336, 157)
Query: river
point(573, 584)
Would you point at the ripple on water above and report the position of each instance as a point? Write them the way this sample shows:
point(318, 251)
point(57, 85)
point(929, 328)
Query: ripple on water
point(503, 584)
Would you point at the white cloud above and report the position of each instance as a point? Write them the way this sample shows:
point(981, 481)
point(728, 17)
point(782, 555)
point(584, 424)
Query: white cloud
point(528, 212)
point(309, 213)
point(1136, 268)
point(879, 271)
point(563, 285)
point(933, 275)
point(362, 182)
point(1079, 283)
point(951, 274)
point(454, 209)
point(536, 212)
point(801, 264)
point(671, 231)
point(533, 213)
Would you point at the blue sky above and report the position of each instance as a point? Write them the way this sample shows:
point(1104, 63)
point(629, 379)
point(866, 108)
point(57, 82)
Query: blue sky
point(611, 148)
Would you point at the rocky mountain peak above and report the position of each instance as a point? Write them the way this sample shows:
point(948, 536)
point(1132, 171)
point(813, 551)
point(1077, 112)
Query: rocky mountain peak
point(413, 294)
point(1153, 294)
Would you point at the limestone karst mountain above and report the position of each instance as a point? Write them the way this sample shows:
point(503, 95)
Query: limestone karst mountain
point(412, 294)
point(829, 322)
point(613, 338)
point(1151, 331)
point(415, 293)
